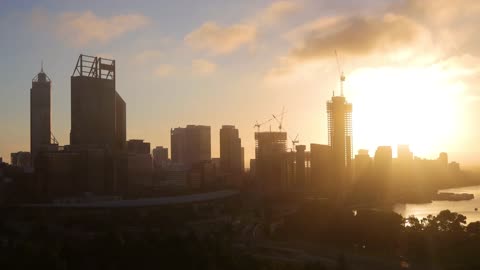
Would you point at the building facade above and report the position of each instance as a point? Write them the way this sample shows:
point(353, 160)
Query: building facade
point(230, 150)
point(40, 114)
point(191, 145)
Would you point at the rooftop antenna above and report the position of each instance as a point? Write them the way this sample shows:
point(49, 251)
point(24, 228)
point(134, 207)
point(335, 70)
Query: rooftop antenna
point(340, 73)
point(41, 69)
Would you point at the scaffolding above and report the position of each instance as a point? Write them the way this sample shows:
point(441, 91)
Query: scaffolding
point(94, 67)
point(340, 128)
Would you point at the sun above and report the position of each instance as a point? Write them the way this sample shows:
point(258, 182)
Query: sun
point(418, 106)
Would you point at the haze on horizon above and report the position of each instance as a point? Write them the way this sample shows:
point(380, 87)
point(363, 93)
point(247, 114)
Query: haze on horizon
point(411, 67)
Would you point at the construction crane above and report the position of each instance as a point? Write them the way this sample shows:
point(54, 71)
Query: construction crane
point(258, 125)
point(280, 122)
point(294, 142)
point(341, 74)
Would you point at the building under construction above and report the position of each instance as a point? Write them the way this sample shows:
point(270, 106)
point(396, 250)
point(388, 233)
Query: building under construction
point(270, 155)
point(340, 138)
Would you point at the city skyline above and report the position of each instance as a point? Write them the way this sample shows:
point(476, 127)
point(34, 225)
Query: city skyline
point(162, 86)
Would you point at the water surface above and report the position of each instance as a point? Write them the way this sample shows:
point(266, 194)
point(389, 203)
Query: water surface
point(466, 208)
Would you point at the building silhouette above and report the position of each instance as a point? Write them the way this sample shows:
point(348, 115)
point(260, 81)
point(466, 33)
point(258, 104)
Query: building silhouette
point(340, 138)
point(231, 150)
point(270, 155)
point(98, 119)
point(383, 172)
point(300, 161)
point(363, 164)
point(321, 168)
point(98, 111)
point(140, 166)
point(138, 147)
point(160, 156)
point(21, 159)
point(40, 114)
point(191, 145)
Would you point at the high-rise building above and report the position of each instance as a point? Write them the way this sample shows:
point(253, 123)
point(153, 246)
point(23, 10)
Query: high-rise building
point(321, 167)
point(99, 118)
point(138, 147)
point(191, 145)
point(98, 111)
point(230, 150)
point(270, 155)
point(403, 153)
point(40, 113)
point(140, 165)
point(160, 156)
point(443, 160)
point(340, 136)
point(383, 162)
point(300, 165)
point(363, 163)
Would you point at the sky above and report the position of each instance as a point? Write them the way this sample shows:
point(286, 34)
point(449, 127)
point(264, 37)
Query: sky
point(411, 68)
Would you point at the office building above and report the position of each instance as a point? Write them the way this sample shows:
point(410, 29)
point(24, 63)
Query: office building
point(300, 165)
point(383, 162)
point(98, 111)
point(138, 147)
point(190, 145)
point(98, 118)
point(321, 168)
point(363, 163)
point(230, 150)
point(160, 157)
point(40, 113)
point(404, 154)
point(140, 166)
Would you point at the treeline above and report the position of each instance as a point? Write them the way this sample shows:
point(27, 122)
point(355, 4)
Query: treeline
point(438, 240)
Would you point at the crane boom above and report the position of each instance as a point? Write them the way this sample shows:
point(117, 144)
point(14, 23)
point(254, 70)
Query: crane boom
point(341, 74)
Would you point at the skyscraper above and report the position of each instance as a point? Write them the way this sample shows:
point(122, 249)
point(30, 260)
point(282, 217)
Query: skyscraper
point(98, 121)
point(98, 111)
point(191, 145)
point(321, 167)
point(340, 136)
point(230, 150)
point(40, 113)
point(270, 156)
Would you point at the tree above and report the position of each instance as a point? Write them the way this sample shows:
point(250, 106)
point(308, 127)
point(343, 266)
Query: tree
point(474, 227)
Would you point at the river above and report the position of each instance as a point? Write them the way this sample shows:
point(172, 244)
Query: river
point(466, 208)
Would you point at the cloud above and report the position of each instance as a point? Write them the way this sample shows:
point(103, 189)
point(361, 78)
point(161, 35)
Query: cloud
point(220, 39)
point(82, 28)
point(355, 36)
point(146, 56)
point(203, 67)
point(223, 39)
point(277, 11)
point(163, 70)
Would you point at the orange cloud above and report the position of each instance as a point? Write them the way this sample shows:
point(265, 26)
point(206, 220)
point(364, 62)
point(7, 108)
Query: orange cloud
point(203, 67)
point(221, 39)
point(277, 11)
point(84, 28)
point(355, 36)
point(163, 70)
